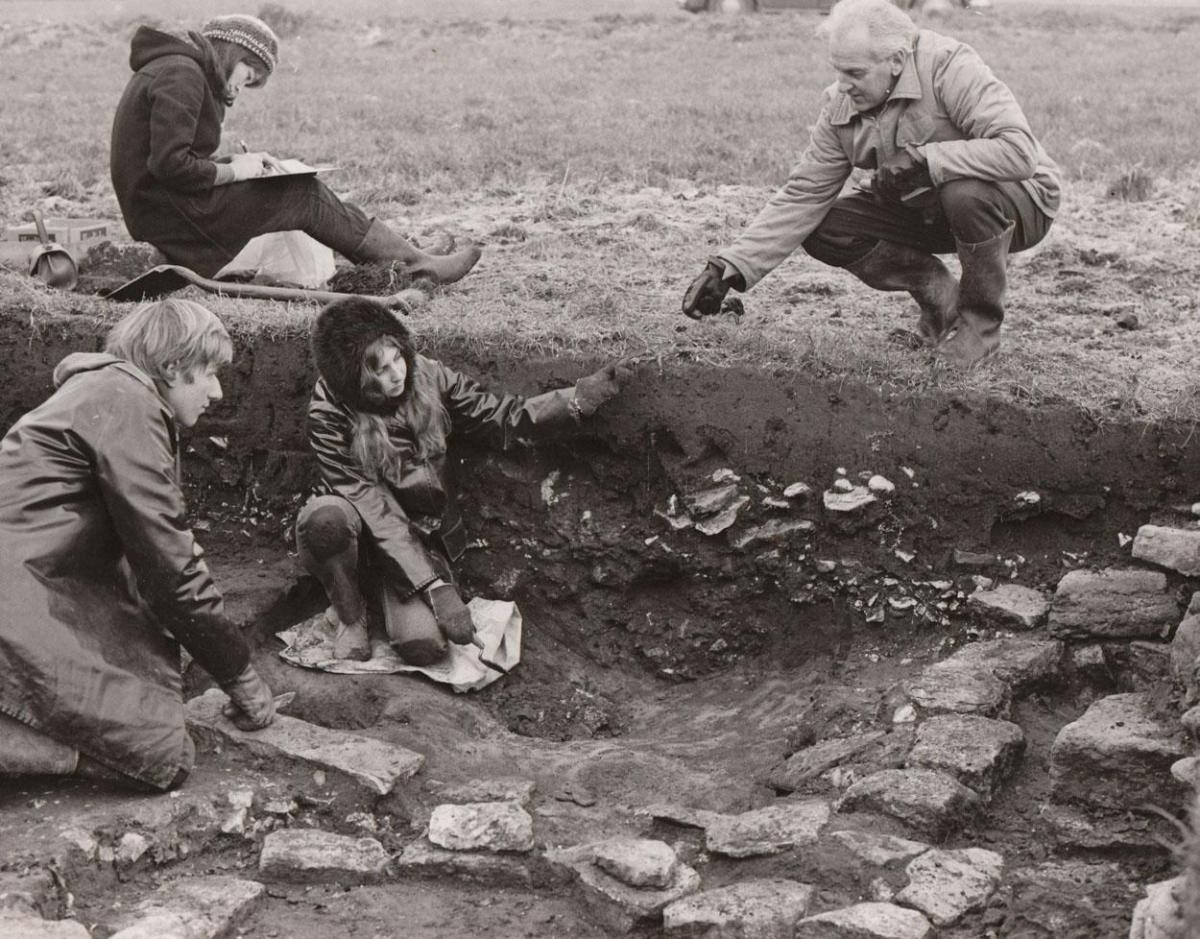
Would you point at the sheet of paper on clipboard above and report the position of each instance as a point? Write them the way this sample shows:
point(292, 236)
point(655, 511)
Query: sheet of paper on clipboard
point(292, 167)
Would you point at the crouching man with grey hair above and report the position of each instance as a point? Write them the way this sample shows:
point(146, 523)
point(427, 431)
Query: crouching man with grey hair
point(957, 170)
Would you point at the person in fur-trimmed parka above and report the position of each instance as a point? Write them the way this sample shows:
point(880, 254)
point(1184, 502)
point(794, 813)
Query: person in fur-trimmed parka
point(384, 526)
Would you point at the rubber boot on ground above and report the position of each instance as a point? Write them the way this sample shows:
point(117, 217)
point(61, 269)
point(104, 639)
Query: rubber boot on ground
point(980, 308)
point(383, 244)
point(892, 266)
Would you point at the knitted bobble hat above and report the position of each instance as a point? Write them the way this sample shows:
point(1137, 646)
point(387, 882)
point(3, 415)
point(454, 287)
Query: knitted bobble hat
point(249, 32)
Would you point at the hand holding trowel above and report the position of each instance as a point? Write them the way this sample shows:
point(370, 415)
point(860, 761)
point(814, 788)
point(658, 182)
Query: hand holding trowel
point(454, 620)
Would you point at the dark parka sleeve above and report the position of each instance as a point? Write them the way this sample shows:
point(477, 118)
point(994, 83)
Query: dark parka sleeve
point(500, 419)
point(176, 98)
point(330, 432)
point(134, 450)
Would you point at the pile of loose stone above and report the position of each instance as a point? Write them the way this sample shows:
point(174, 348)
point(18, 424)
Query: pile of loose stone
point(890, 797)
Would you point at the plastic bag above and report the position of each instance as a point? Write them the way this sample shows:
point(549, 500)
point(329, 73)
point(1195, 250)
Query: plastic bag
point(286, 258)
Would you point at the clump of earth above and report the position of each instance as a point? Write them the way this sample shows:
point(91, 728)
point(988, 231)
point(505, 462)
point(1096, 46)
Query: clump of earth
point(109, 265)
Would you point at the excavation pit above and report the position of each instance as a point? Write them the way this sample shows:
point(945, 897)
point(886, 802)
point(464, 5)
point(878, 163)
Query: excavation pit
point(704, 638)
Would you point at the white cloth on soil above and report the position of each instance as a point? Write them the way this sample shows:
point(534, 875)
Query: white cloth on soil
point(497, 623)
point(289, 258)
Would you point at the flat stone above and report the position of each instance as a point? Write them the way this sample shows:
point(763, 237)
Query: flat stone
point(1160, 914)
point(33, 892)
point(852, 500)
point(21, 925)
point(1074, 830)
point(1190, 721)
point(1118, 755)
point(620, 907)
point(946, 885)
point(977, 751)
point(501, 789)
point(1185, 651)
point(706, 502)
point(941, 690)
point(1112, 604)
point(422, 859)
point(768, 830)
point(681, 814)
point(715, 524)
point(491, 826)
point(974, 560)
point(375, 764)
point(311, 856)
point(878, 849)
point(930, 801)
point(195, 908)
point(866, 921)
point(1090, 662)
point(1011, 605)
point(773, 532)
point(811, 762)
point(1174, 548)
point(639, 862)
point(1019, 662)
point(752, 909)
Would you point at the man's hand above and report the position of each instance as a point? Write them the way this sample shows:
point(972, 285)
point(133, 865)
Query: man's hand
point(901, 175)
point(453, 617)
point(595, 390)
point(251, 706)
point(707, 292)
point(253, 165)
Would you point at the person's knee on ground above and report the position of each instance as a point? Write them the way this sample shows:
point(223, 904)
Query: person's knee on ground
point(327, 544)
point(414, 633)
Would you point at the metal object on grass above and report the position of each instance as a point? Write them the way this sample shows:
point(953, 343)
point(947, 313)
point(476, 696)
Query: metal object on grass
point(50, 263)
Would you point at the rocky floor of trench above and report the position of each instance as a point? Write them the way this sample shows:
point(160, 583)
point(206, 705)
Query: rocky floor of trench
point(1009, 779)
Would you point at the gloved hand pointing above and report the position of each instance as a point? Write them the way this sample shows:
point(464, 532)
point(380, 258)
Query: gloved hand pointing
point(453, 617)
point(602, 386)
point(902, 175)
point(251, 705)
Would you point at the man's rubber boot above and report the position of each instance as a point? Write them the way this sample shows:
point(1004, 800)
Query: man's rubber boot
point(351, 641)
point(892, 266)
point(382, 244)
point(980, 307)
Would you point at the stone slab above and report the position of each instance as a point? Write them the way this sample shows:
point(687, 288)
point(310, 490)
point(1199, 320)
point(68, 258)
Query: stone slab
point(1020, 662)
point(1118, 755)
point(376, 764)
point(812, 761)
point(751, 909)
point(639, 862)
point(866, 921)
point(679, 814)
point(499, 789)
point(1112, 604)
point(879, 850)
point(1011, 605)
point(943, 689)
point(33, 892)
point(946, 885)
point(619, 907)
point(768, 830)
point(1185, 651)
point(977, 751)
point(423, 859)
point(193, 908)
point(1175, 548)
point(776, 531)
point(311, 856)
point(491, 826)
point(1160, 914)
point(21, 925)
point(932, 802)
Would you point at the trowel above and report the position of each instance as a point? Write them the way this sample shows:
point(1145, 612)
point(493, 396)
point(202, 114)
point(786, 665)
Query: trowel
point(50, 263)
point(478, 644)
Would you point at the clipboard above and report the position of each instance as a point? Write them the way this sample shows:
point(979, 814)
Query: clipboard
point(294, 167)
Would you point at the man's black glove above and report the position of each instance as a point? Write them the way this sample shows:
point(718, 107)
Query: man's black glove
point(901, 175)
point(596, 389)
point(705, 295)
point(250, 705)
point(453, 617)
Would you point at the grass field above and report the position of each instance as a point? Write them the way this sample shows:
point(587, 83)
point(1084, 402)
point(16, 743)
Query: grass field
point(601, 150)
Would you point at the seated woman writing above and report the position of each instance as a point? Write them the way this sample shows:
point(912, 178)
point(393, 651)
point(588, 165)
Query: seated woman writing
point(101, 580)
point(201, 211)
point(384, 526)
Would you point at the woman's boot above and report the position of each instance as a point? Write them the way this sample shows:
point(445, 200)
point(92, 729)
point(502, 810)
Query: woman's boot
point(383, 244)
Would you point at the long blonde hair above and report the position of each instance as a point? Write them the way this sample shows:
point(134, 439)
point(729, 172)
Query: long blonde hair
point(371, 446)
